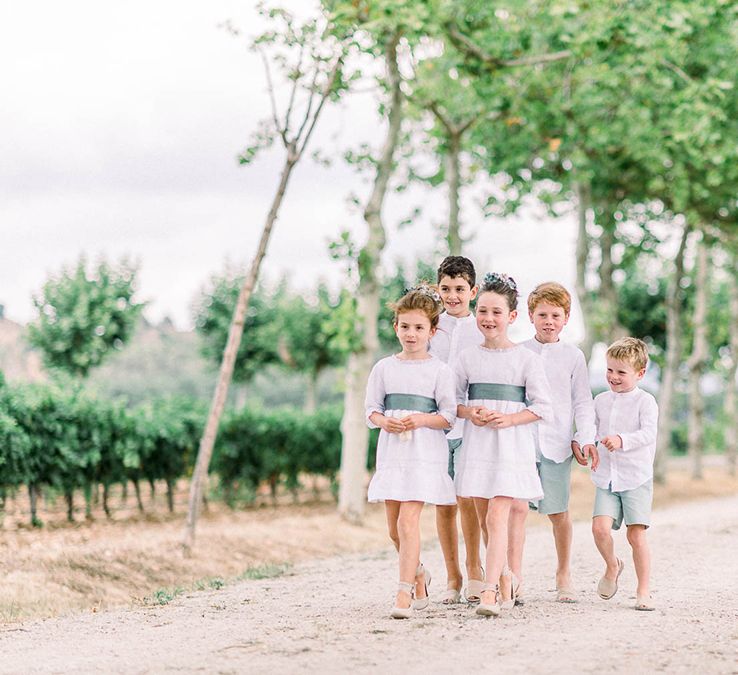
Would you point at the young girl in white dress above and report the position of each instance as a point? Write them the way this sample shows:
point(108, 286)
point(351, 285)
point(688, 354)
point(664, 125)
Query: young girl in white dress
point(502, 390)
point(411, 397)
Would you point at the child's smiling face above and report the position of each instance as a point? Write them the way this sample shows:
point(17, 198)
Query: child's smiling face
point(548, 320)
point(494, 315)
point(456, 294)
point(413, 330)
point(622, 376)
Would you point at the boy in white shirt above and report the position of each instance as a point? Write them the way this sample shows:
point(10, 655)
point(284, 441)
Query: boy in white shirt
point(627, 419)
point(457, 330)
point(549, 306)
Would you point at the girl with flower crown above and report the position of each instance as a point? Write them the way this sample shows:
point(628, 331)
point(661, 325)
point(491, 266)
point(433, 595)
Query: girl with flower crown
point(502, 390)
point(410, 397)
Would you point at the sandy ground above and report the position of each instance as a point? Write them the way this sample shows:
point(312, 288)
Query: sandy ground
point(332, 616)
point(67, 568)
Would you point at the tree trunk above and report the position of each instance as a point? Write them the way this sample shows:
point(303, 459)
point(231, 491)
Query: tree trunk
point(607, 296)
point(106, 500)
point(730, 408)
point(124, 493)
point(229, 358)
point(69, 499)
point(352, 498)
point(582, 255)
point(90, 493)
point(697, 361)
point(311, 393)
point(453, 178)
point(170, 495)
point(137, 490)
point(672, 360)
point(33, 500)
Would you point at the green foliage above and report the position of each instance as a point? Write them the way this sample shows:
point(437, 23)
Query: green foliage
point(14, 446)
point(83, 315)
point(307, 331)
point(169, 431)
point(213, 315)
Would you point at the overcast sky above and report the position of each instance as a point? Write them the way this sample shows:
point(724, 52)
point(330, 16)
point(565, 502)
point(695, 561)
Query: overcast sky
point(120, 124)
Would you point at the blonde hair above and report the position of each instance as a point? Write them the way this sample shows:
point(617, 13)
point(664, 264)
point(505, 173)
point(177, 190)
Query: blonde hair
point(630, 350)
point(551, 292)
point(423, 298)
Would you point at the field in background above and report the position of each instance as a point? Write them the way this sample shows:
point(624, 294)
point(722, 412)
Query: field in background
point(89, 566)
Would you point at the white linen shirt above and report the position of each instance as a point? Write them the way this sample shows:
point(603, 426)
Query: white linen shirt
point(566, 370)
point(632, 415)
point(452, 337)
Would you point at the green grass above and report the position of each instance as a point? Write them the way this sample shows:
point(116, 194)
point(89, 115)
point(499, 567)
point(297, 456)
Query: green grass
point(268, 571)
point(164, 596)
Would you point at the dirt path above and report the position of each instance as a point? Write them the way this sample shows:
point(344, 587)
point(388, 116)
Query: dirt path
point(331, 616)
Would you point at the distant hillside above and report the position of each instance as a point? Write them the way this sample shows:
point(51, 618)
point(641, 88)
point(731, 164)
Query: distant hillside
point(162, 361)
point(159, 360)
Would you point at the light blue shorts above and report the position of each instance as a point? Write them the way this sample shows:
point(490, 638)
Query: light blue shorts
point(556, 482)
point(632, 506)
point(453, 445)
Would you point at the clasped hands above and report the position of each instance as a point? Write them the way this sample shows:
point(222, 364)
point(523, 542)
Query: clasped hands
point(484, 417)
point(396, 425)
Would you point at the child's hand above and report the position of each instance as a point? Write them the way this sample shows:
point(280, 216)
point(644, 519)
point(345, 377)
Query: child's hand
point(612, 442)
point(479, 416)
point(499, 420)
point(414, 421)
point(392, 425)
point(578, 453)
point(594, 454)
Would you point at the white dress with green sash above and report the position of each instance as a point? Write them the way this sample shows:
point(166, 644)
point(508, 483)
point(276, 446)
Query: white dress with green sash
point(412, 466)
point(501, 462)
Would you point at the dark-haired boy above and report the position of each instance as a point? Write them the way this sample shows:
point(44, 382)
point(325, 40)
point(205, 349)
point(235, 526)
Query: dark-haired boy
point(457, 330)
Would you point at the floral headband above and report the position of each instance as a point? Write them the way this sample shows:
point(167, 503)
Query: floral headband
point(425, 290)
point(498, 279)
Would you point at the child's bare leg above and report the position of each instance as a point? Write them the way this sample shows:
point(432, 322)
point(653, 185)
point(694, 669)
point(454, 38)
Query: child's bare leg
point(641, 558)
point(481, 506)
point(392, 511)
point(562, 532)
point(602, 531)
point(408, 528)
point(498, 514)
point(515, 542)
point(448, 537)
point(472, 532)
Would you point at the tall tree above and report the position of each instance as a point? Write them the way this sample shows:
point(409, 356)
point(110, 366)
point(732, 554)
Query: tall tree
point(351, 498)
point(213, 315)
point(310, 59)
point(84, 313)
point(698, 358)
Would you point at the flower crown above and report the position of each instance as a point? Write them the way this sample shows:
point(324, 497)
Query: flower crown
point(499, 279)
point(432, 293)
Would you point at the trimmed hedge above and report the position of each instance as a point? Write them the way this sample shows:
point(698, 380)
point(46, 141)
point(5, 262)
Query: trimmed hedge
point(69, 441)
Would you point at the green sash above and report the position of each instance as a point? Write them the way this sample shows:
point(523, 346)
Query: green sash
point(496, 392)
point(410, 402)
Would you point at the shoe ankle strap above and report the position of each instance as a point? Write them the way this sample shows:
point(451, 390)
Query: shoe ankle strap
point(406, 587)
point(491, 587)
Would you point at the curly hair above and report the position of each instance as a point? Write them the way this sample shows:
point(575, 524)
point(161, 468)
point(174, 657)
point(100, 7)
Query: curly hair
point(423, 298)
point(502, 284)
point(457, 266)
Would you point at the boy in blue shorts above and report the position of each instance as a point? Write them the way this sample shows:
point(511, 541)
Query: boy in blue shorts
point(457, 330)
point(549, 306)
point(627, 418)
